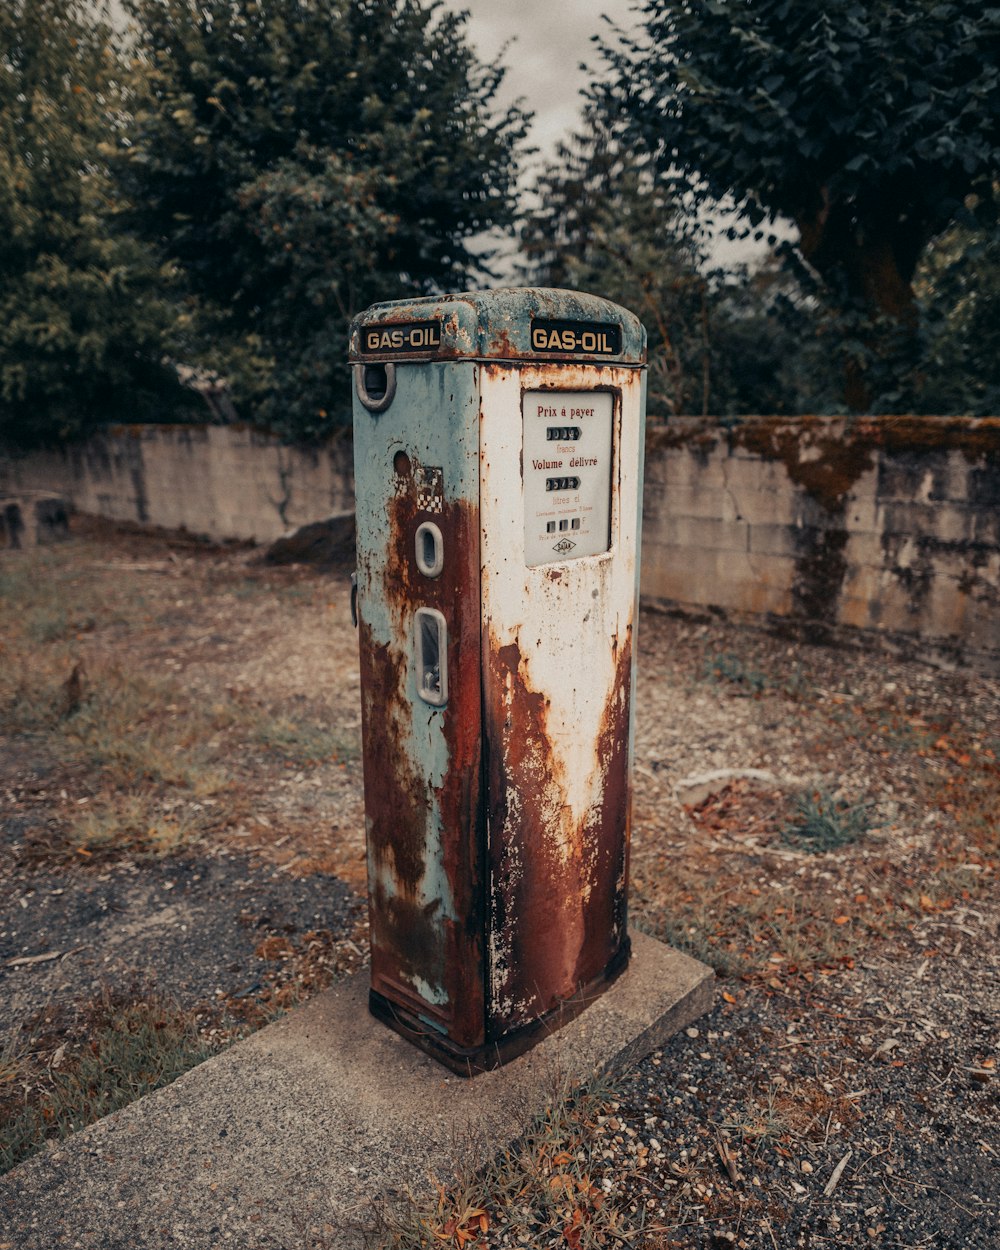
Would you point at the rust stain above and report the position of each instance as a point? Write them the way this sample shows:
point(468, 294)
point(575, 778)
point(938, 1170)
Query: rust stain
point(412, 940)
point(610, 832)
point(558, 884)
point(500, 345)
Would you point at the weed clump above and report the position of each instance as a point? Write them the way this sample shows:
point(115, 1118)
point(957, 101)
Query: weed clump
point(822, 822)
point(547, 1187)
point(726, 666)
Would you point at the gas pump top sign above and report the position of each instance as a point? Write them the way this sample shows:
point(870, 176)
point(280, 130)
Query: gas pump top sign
point(500, 325)
point(412, 336)
point(592, 338)
point(587, 338)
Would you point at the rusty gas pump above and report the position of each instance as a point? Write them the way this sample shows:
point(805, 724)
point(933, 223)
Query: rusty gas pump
point(498, 459)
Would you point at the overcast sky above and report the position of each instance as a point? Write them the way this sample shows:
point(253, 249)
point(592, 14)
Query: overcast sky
point(550, 39)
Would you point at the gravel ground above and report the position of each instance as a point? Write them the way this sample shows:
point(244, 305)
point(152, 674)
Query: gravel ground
point(842, 1093)
point(748, 1118)
point(190, 928)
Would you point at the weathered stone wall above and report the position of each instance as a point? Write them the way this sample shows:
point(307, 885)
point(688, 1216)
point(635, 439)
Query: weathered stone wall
point(218, 481)
point(885, 525)
point(883, 528)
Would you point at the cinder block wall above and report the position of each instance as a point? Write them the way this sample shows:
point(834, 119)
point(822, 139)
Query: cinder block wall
point(881, 528)
point(217, 481)
point(888, 526)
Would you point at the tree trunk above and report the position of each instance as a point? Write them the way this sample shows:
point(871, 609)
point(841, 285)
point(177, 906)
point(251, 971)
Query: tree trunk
point(874, 262)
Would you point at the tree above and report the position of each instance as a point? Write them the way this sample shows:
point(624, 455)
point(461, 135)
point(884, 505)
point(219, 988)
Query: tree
point(602, 225)
point(958, 288)
point(605, 224)
point(300, 159)
point(82, 324)
point(868, 124)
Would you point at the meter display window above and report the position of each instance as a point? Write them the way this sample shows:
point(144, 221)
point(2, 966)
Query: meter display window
point(567, 474)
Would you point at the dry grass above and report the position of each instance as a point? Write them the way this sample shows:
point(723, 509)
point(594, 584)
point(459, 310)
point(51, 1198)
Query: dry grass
point(121, 1046)
point(549, 1186)
point(151, 767)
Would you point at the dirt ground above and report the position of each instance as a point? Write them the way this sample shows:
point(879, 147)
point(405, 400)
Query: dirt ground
point(181, 823)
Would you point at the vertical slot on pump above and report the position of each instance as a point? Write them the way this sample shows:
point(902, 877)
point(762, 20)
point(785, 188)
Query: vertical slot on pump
point(431, 637)
point(430, 549)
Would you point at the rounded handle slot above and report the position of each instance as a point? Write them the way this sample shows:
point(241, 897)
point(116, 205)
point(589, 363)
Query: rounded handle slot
point(376, 385)
point(430, 549)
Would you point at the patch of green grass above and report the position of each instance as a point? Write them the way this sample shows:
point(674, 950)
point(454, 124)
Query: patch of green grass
point(151, 752)
point(44, 607)
point(692, 929)
point(32, 690)
point(726, 666)
point(52, 598)
point(13, 1049)
point(133, 729)
point(304, 742)
point(822, 822)
point(128, 1048)
point(137, 822)
point(713, 913)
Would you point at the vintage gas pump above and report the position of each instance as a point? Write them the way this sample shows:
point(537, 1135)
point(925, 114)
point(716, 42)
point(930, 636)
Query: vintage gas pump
point(498, 458)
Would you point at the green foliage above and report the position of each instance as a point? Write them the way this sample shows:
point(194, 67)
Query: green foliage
point(602, 225)
point(729, 667)
point(958, 288)
point(868, 125)
point(717, 343)
point(83, 313)
point(822, 822)
point(300, 160)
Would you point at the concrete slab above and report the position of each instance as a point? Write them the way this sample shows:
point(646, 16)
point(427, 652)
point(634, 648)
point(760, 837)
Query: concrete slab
point(313, 1122)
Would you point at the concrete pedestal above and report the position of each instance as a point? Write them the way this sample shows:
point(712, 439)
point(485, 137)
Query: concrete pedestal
point(314, 1121)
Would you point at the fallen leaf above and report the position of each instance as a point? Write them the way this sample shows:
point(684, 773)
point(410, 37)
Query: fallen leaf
point(572, 1230)
point(727, 997)
point(841, 919)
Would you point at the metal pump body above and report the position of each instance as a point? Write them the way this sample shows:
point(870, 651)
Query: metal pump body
point(498, 459)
